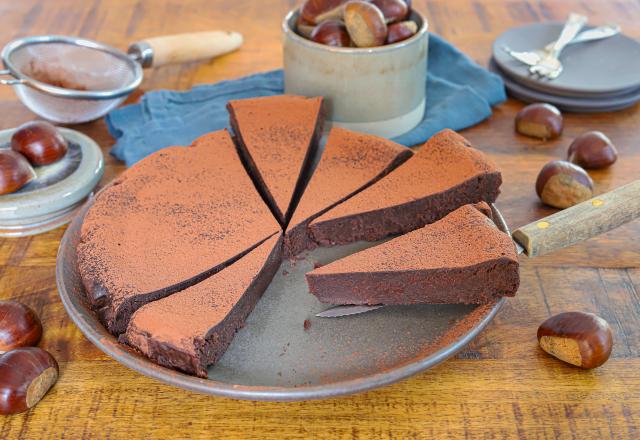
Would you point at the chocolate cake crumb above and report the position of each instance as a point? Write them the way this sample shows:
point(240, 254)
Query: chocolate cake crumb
point(442, 176)
point(192, 329)
point(277, 138)
point(179, 221)
point(460, 259)
point(307, 325)
point(350, 163)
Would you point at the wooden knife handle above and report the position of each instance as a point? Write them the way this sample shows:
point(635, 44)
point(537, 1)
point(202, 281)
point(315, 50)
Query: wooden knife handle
point(581, 222)
point(184, 48)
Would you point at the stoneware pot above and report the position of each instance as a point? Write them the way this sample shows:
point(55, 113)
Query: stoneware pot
point(378, 90)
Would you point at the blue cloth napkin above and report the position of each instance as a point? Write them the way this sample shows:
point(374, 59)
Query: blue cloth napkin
point(460, 93)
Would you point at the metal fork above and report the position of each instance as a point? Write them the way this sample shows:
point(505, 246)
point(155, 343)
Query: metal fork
point(533, 57)
point(550, 66)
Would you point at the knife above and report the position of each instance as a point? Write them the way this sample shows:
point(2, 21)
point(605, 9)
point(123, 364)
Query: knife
point(562, 229)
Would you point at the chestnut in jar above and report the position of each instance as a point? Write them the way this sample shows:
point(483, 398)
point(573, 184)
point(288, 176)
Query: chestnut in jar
point(392, 10)
point(317, 11)
point(40, 142)
point(303, 27)
point(26, 375)
point(401, 31)
point(365, 23)
point(19, 326)
point(562, 184)
point(15, 171)
point(543, 121)
point(331, 33)
point(592, 150)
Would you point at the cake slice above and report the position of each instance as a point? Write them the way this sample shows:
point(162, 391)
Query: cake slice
point(192, 329)
point(462, 258)
point(443, 175)
point(173, 219)
point(278, 138)
point(350, 162)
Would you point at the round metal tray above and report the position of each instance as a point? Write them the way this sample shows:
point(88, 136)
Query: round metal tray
point(277, 357)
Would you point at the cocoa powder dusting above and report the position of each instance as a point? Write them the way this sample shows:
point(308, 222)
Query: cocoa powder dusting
point(165, 220)
point(186, 316)
point(277, 132)
point(350, 162)
point(463, 238)
point(54, 77)
point(442, 163)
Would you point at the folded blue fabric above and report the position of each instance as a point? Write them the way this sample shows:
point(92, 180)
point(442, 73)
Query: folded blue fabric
point(460, 93)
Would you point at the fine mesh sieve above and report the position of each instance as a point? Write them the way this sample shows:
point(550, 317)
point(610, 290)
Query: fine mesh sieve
point(69, 80)
point(73, 80)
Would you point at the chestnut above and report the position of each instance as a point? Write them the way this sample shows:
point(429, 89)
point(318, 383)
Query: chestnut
point(15, 171)
point(19, 326)
point(40, 142)
point(365, 23)
point(317, 11)
point(303, 27)
point(543, 121)
point(401, 31)
point(592, 150)
point(578, 338)
point(562, 184)
point(392, 10)
point(331, 33)
point(26, 374)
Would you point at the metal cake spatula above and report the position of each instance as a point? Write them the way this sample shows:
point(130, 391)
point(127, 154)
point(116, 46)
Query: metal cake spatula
point(562, 229)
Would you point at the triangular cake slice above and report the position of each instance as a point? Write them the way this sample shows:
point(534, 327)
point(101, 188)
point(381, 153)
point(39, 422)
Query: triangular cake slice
point(443, 175)
point(278, 138)
point(192, 329)
point(460, 259)
point(350, 162)
point(171, 220)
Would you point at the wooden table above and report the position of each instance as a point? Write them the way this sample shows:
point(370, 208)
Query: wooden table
point(500, 386)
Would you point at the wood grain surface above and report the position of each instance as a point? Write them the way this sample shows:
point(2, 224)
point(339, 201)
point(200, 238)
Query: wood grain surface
point(501, 386)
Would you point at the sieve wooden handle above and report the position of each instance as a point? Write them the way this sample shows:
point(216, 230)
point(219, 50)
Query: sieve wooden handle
point(582, 221)
point(196, 46)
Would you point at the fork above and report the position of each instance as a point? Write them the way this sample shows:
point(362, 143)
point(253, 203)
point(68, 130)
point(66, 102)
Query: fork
point(550, 66)
point(533, 57)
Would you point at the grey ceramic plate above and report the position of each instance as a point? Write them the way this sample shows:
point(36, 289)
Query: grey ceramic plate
point(571, 104)
point(274, 357)
point(610, 66)
point(51, 199)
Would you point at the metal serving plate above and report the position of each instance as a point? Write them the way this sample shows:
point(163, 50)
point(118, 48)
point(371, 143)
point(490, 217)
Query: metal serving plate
point(279, 357)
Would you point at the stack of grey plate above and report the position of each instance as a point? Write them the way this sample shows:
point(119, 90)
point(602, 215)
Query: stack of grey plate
point(598, 76)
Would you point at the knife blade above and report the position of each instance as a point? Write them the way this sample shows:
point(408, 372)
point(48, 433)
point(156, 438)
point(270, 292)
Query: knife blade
point(346, 310)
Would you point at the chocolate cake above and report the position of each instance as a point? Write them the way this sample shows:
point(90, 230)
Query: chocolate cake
point(350, 162)
point(173, 219)
point(443, 175)
point(462, 258)
point(277, 137)
point(192, 329)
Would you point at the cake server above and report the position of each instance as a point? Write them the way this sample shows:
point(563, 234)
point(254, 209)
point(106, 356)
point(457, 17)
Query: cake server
point(578, 223)
point(72, 80)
